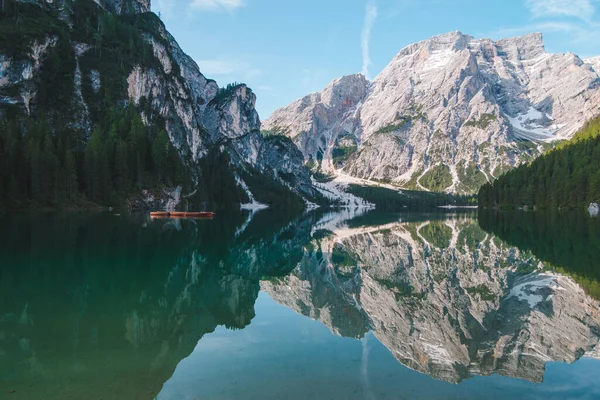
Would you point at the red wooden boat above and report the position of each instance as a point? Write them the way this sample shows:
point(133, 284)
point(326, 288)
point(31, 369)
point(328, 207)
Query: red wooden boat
point(182, 214)
point(159, 214)
point(203, 214)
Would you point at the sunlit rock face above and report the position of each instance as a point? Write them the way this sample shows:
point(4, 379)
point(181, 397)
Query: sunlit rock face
point(449, 113)
point(444, 297)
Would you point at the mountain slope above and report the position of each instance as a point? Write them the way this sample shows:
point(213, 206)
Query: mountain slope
point(447, 114)
point(74, 62)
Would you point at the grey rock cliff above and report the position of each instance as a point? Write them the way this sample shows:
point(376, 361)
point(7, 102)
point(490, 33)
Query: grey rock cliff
point(455, 108)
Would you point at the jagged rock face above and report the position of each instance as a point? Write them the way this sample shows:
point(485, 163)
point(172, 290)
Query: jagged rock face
point(199, 120)
point(317, 120)
point(453, 101)
point(21, 73)
point(183, 100)
point(233, 121)
point(445, 298)
point(285, 161)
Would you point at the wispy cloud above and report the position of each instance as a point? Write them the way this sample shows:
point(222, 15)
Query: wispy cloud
point(370, 17)
point(571, 22)
point(545, 27)
point(217, 5)
point(233, 69)
point(217, 67)
point(573, 34)
point(582, 9)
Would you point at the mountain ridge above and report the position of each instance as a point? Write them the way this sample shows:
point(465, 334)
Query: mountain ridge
point(447, 114)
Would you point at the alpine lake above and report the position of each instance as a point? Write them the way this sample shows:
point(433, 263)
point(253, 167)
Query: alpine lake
point(323, 305)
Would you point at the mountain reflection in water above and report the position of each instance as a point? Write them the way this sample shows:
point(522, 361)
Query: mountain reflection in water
point(103, 306)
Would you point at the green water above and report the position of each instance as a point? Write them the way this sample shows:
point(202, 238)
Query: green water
point(324, 305)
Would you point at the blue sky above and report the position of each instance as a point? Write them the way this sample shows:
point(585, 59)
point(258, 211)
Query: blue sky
point(285, 49)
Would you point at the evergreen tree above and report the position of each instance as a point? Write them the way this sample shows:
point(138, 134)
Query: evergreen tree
point(160, 153)
point(121, 166)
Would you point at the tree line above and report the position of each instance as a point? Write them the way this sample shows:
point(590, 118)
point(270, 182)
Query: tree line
point(52, 167)
point(395, 200)
point(566, 177)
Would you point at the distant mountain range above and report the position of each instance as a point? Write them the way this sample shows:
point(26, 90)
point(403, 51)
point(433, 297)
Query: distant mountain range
point(447, 114)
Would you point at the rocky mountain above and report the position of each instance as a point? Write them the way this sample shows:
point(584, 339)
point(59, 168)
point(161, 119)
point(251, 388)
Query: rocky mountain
point(447, 114)
point(72, 60)
point(446, 298)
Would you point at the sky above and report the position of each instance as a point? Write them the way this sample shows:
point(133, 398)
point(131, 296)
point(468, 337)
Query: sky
point(286, 49)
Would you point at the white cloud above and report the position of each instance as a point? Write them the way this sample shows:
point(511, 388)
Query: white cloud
point(582, 9)
point(216, 5)
point(370, 17)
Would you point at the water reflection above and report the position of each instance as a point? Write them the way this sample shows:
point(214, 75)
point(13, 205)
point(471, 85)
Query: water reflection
point(107, 307)
point(445, 297)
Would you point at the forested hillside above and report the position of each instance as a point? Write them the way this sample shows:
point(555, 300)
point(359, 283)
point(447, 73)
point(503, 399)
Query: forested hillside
point(566, 177)
point(52, 169)
point(99, 106)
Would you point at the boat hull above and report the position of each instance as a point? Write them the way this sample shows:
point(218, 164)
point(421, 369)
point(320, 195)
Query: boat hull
point(182, 214)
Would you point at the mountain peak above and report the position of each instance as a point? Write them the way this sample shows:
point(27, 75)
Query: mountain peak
point(455, 40)
point(345, 80)
point(523, 47)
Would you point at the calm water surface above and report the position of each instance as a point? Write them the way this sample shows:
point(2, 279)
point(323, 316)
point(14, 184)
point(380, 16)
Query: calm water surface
point(324, 305)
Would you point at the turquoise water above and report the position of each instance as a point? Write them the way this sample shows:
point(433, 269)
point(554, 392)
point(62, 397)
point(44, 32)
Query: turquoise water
point(325, 305)
point(283, 355)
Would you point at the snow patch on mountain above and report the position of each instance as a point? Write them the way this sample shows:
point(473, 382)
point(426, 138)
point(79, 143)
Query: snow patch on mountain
point(531, 289)
point(530, 126)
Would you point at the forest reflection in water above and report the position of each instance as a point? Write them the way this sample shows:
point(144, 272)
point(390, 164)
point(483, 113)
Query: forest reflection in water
point(100, 306)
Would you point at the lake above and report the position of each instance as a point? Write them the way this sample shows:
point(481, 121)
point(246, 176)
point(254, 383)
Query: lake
point(324, 305)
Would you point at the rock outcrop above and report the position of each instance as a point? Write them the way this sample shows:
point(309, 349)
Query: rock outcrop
point(447, 114)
